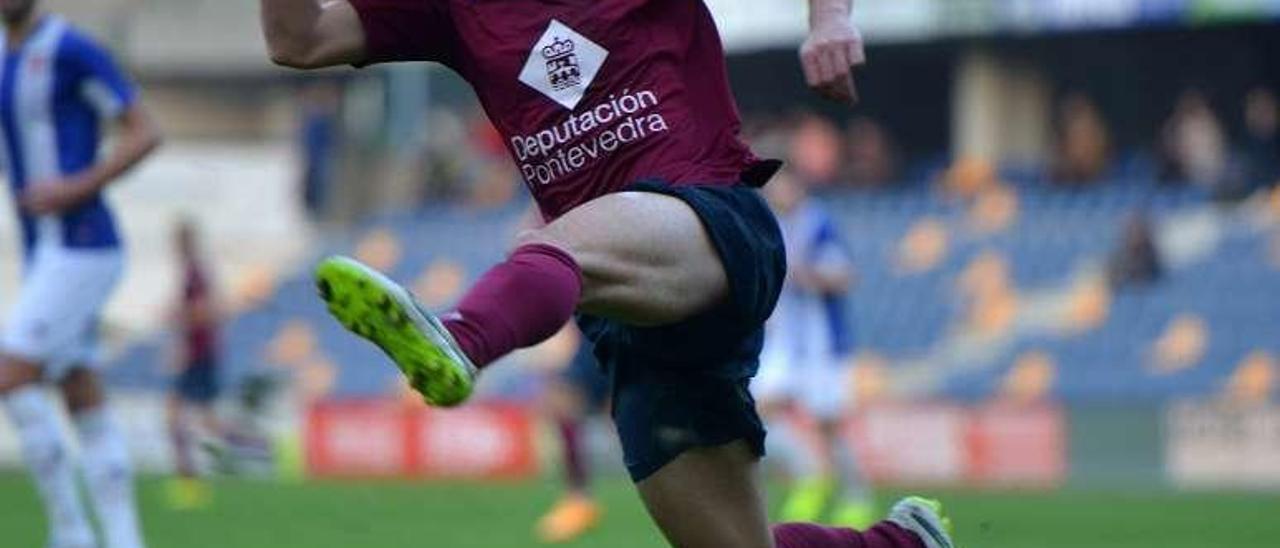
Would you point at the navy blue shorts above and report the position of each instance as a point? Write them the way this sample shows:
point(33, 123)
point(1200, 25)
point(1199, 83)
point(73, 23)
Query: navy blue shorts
point(683, 386)
point(588, 378)
point(198, 383)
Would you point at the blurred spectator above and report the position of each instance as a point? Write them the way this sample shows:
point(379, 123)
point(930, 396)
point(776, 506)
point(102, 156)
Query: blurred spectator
point(317, 136)
point(1193, 145)
point(872, 161)
point(494, 179)
point(815, 150)
point(464, 160)
point(1137, 261)
point(1262, 140)
point(1082, 151)
point(968, 178)
point(443, 159)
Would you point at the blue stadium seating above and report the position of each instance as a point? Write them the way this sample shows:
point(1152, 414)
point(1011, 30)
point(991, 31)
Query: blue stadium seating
point(900, 316)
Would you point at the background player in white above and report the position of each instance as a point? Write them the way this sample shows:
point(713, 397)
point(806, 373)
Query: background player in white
point(56, 88)
point(804, 362)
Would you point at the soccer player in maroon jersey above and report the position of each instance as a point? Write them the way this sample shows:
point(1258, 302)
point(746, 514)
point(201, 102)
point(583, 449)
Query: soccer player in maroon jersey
point(195, 388)
point(619, 116)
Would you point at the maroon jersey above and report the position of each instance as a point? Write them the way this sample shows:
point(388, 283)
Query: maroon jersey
point(589, 95)
point(199, 333)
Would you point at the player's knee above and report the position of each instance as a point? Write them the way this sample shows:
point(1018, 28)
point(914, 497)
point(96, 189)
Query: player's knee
point(545, 236)
point(81, 390)
point(527, 237)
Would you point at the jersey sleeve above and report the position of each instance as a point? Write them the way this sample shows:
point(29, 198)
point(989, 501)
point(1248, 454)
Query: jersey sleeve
point(407, 30)
point(102, 83)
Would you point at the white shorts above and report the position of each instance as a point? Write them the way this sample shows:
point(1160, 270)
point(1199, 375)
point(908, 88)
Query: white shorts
point(55, 320)
point(820, 385)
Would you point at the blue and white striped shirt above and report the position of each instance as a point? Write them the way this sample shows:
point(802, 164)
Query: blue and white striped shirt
point(55, 89)
point(812, 325)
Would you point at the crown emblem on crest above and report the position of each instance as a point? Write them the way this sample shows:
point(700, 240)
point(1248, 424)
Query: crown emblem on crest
point(562, 63)
point(559, 47)
point(563, 70)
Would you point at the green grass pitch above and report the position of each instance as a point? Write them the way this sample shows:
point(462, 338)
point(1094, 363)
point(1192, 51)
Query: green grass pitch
point(390, 514)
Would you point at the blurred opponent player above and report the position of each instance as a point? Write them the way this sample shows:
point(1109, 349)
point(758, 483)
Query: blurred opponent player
point(57, 87)
point(803, 364)
point(620, 116)
point(196, 386)
point(579, 391)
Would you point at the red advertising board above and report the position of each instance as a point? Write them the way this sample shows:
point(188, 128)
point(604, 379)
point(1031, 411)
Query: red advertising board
point(1004, 445)
point(381, 439)
point(940, 444)
point(1017, 445)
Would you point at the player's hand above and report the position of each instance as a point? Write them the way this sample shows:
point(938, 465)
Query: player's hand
point(828, 56)
point(49, 197)
point(819, 280)
point(807, 278)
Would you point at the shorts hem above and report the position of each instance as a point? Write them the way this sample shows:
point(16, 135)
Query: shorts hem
point(644, 470)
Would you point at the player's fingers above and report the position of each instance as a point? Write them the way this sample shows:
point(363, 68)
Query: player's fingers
point(857, 53)
point(837, 90)
point(840, 82)
point(826, 68)
point(838, 58)
point(841, 90)
point(856, 48)
point(808, 61)
point(829, 91)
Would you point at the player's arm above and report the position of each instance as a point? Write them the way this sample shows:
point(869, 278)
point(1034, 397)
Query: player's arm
point(827, 278)
point(310, 34)
point(833, 48)
point(828, 269)
point(137, 136)
point(831, 279)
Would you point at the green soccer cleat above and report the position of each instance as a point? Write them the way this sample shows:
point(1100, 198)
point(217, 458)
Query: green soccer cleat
point(380, 310)
point(923, 517)
point(807, 500)
point(857, 514)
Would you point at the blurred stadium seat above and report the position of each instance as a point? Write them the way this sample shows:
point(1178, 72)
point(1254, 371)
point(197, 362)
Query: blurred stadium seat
point(1184, 336)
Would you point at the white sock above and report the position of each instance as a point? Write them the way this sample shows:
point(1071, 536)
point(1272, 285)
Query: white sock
point(45, 450)
point(853, 486)
point(109, 475)
point(798, 457)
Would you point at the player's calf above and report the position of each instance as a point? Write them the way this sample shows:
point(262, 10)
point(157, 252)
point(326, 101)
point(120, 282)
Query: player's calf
point(34, 416)
point(709, 497)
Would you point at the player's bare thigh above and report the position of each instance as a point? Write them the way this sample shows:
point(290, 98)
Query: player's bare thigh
point(646, 259)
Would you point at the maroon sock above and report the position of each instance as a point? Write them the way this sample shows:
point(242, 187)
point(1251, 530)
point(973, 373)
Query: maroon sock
point(807, 535)
point(575, 467)
point(520, 302)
